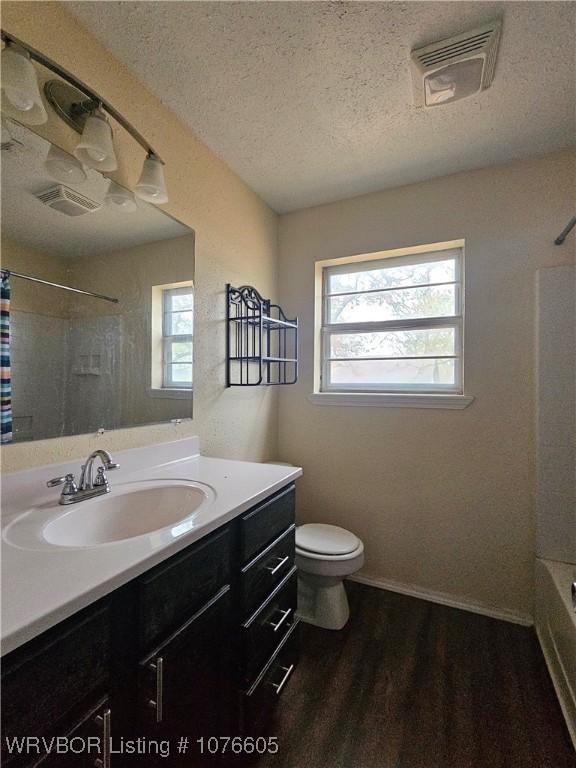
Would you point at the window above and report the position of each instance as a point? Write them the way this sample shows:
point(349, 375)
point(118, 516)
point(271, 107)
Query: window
point(177, 324)
point(393, 325)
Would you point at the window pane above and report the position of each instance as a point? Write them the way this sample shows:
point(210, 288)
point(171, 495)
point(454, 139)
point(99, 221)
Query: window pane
point(409, 343)
point(181, 301)
point(181, 373)
point(393, 373)
point(435, 301)
point(181, 352)
point(393, 276)
point(180, 322)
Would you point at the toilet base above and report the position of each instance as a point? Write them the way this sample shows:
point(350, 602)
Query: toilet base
point(322, 601)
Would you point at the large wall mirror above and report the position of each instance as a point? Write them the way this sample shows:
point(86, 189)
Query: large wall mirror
point(97, 293)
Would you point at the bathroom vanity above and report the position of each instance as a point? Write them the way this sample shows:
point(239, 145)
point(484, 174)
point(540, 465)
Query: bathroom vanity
point(196, 638)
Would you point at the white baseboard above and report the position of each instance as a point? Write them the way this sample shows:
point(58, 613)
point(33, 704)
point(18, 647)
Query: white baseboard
point(443, 598)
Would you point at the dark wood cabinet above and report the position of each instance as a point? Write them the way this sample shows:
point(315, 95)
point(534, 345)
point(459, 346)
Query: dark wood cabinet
point(199, 646)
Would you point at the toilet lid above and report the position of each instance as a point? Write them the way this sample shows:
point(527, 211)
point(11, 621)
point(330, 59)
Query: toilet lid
point(326, 539)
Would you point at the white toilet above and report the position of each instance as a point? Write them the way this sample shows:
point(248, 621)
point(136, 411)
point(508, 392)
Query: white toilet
point(325, 554)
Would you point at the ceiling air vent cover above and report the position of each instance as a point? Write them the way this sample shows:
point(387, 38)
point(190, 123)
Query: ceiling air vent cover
point(67, 201)
point(457, 67)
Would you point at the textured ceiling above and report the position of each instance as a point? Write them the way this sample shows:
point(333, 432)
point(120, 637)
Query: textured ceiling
point(311, 102)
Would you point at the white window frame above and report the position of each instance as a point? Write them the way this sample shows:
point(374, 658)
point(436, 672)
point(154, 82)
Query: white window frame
point(448, 395)
point(168, 338)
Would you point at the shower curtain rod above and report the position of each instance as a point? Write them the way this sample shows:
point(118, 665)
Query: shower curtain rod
point(565, 232)
point(59, 285)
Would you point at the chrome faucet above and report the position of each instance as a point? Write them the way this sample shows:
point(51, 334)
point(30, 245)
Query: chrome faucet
point(89, 486)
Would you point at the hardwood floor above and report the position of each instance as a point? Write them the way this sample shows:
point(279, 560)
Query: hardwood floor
point(409, 684)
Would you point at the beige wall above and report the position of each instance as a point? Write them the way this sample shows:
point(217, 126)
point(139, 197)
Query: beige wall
point(32, 297)
point(236, 241)
point(442, 499)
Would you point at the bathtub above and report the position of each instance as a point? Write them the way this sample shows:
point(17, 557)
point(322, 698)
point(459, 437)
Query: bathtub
point(556, 628)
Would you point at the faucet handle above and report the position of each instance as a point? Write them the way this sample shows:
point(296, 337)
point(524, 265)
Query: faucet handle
point(59, 480)
point(67, 481)
point(101, 478)
point(112, 465)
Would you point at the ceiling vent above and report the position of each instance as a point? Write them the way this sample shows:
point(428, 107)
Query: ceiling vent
point(67, 201)
point(457, 67)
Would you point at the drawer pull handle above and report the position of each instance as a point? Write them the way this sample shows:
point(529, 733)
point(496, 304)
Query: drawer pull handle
point(279, 686)
point(276, 568)
point(279, 623)
point(105, 721)
point(158, 667)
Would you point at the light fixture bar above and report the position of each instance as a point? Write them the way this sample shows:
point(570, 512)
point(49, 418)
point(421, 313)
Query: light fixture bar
point(88, 92)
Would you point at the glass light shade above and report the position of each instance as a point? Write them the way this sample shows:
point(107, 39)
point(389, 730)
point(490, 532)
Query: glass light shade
point(21, 97)
point(64, 167)
point(151, 185)
point(95, 149)
point(120, 199)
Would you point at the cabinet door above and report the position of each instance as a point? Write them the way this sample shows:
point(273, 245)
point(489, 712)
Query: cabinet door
point(185, 685)
point(51, 682)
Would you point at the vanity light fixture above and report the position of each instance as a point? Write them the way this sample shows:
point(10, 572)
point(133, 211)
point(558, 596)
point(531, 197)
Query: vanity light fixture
point(151, 185)
point(64, 167)
point(21, 97)
point(96, 148)
point(81, 108)
point(119, 198)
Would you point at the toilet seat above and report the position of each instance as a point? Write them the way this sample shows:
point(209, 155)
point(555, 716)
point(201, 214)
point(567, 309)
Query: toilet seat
point(318, 541)
point(304, 553)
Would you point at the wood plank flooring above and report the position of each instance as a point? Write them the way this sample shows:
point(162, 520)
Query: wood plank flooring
point(409, 684)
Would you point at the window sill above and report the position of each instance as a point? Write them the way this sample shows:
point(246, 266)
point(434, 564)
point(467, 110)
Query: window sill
point(390, 400)
point(172, 394)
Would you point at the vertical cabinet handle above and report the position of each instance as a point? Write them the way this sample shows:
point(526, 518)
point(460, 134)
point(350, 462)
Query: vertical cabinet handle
point(105, 721)
point(158, 668)
point(273, 570)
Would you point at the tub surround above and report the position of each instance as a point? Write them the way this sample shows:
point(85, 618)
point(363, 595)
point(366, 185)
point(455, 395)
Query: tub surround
point(44, 586)
point(556, 628)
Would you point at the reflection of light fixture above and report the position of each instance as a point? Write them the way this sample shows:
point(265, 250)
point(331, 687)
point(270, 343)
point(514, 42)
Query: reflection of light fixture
point(457, 67)
point(120, 198)
point(64, 167)
point(20, 94)
point(80, 107)
point(151, 185)
point(95, 149)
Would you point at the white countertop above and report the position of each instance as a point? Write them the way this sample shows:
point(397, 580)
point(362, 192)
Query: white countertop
point(43, 586)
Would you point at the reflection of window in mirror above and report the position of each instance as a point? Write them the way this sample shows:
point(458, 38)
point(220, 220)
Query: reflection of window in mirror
point(172, 337)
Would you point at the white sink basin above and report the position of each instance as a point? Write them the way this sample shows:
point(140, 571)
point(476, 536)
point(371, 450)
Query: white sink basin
point(129, 510)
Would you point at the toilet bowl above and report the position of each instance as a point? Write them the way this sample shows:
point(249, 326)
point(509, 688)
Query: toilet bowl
point(325, 554)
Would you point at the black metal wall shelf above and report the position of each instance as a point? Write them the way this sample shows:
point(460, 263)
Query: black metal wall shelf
point(261, 342)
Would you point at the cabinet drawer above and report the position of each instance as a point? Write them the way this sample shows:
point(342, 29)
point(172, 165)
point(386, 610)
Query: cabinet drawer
point(266, 522)
point(170, 593)
point(264, 631)
point(261, 576)
point(260, 699)
point(48, 681)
